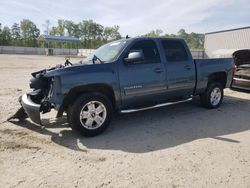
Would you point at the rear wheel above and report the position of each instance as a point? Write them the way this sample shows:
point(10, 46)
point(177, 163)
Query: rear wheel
point(213, 96)
point(90, 114)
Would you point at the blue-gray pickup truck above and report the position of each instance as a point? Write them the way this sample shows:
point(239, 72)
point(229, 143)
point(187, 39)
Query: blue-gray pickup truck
point(125, 76)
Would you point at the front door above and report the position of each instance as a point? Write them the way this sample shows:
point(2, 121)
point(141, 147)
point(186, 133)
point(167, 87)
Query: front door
point(142, 83)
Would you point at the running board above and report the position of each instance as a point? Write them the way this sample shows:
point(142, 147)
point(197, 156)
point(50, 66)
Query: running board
point(155, 106)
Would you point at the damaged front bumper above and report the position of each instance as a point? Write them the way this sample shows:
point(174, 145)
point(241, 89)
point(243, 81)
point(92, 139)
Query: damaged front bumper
point(32, 109)
point(45, 95)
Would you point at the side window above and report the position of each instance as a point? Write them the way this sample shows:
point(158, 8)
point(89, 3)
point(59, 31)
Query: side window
point(149, 50)
point(174, 51)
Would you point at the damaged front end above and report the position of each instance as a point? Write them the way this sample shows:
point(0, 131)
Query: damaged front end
point(38, 100)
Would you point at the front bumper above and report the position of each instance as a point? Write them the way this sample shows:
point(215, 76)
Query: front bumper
point(32, 109)
point(241, 83)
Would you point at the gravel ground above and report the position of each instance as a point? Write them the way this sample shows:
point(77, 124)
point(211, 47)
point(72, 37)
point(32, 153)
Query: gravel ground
point(176, 146)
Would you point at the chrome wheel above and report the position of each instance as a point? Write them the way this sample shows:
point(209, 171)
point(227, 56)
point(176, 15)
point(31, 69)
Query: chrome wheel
point(215, 96)
point(93, 114)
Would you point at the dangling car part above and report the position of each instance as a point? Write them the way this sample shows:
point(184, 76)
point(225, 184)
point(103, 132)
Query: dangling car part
point(20, 115)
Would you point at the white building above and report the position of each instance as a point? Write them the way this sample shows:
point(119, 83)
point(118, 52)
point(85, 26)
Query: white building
point(224, 43)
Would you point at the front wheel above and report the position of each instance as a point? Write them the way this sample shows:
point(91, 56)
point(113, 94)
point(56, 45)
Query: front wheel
point(90, 114)
point(213, 96)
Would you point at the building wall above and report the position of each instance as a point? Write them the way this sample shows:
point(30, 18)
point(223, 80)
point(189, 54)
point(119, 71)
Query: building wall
point(223, 44)
point(35, 51)
point(85, 52)
point(21, 50)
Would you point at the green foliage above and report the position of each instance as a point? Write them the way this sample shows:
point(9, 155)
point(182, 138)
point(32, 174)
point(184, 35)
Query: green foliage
point(16, 34)
point(15, 31)
point(111, 33)
point(194, 40)
point(5, 36)
point(92, 34)
point(154, 33)
point(29, 33)
point(46, 25)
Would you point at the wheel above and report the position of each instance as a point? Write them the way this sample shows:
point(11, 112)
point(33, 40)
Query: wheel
point(90, 114)
point(213, 96)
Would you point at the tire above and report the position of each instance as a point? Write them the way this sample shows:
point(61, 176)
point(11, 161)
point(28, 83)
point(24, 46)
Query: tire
point(213, 96)
point(90, 114)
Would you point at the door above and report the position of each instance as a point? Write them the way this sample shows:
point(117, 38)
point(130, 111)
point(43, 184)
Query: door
point(181, 75)
point(142, 83)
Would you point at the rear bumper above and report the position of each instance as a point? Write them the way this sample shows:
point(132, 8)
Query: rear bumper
point(31, 108)
point(240, 83)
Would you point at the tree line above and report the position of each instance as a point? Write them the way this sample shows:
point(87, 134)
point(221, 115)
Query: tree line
point(26, 33)
point(91, 34)
point(193, 40)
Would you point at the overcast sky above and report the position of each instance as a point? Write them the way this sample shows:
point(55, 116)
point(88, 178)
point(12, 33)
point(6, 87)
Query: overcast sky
point(135, 17)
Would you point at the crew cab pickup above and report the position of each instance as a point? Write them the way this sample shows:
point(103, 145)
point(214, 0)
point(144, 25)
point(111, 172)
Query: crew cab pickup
point(125, 76)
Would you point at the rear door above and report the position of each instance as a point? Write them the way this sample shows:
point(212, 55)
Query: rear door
point(144, 82)
point(180, 69)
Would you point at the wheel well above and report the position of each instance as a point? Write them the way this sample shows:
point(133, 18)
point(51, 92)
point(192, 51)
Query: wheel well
point(74, 93)
point(220, 77)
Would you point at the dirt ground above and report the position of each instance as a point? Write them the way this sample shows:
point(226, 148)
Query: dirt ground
point(177, 146)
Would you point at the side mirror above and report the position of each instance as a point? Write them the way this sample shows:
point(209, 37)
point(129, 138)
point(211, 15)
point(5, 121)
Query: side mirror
point(134, 57)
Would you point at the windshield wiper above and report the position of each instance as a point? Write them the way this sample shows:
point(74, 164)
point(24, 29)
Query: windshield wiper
point(96, 58)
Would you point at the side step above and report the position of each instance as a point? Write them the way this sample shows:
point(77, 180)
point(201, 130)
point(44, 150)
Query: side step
point(155, 106)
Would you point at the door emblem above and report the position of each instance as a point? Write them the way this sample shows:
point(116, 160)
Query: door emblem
point(133, 87)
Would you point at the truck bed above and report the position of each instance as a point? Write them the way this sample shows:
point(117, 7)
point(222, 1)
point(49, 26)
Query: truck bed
point(204, 67)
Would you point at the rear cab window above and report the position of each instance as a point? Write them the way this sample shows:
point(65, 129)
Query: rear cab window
point(174, 51)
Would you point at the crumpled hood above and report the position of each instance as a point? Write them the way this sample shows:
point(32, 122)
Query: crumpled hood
point(57, 71)
point(60, 70)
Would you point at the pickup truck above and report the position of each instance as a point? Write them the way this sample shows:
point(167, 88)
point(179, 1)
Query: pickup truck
point(125, 76)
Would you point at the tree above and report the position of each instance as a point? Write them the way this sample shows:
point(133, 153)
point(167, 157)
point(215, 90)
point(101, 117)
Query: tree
point(15, 31)
point(154, 33)
point(182, 33)
point(76, 31)
point(69, 27)
point(91, 33)
point(111, 33)
point(15, 34)
point(61, 27)
point(47, 27)
point(5, 36)
point(53, 31)
point(193, 40)
point(29, 32)
point(196, 40)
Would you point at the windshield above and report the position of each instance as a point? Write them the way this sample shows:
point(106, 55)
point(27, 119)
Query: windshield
point(108, 52)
